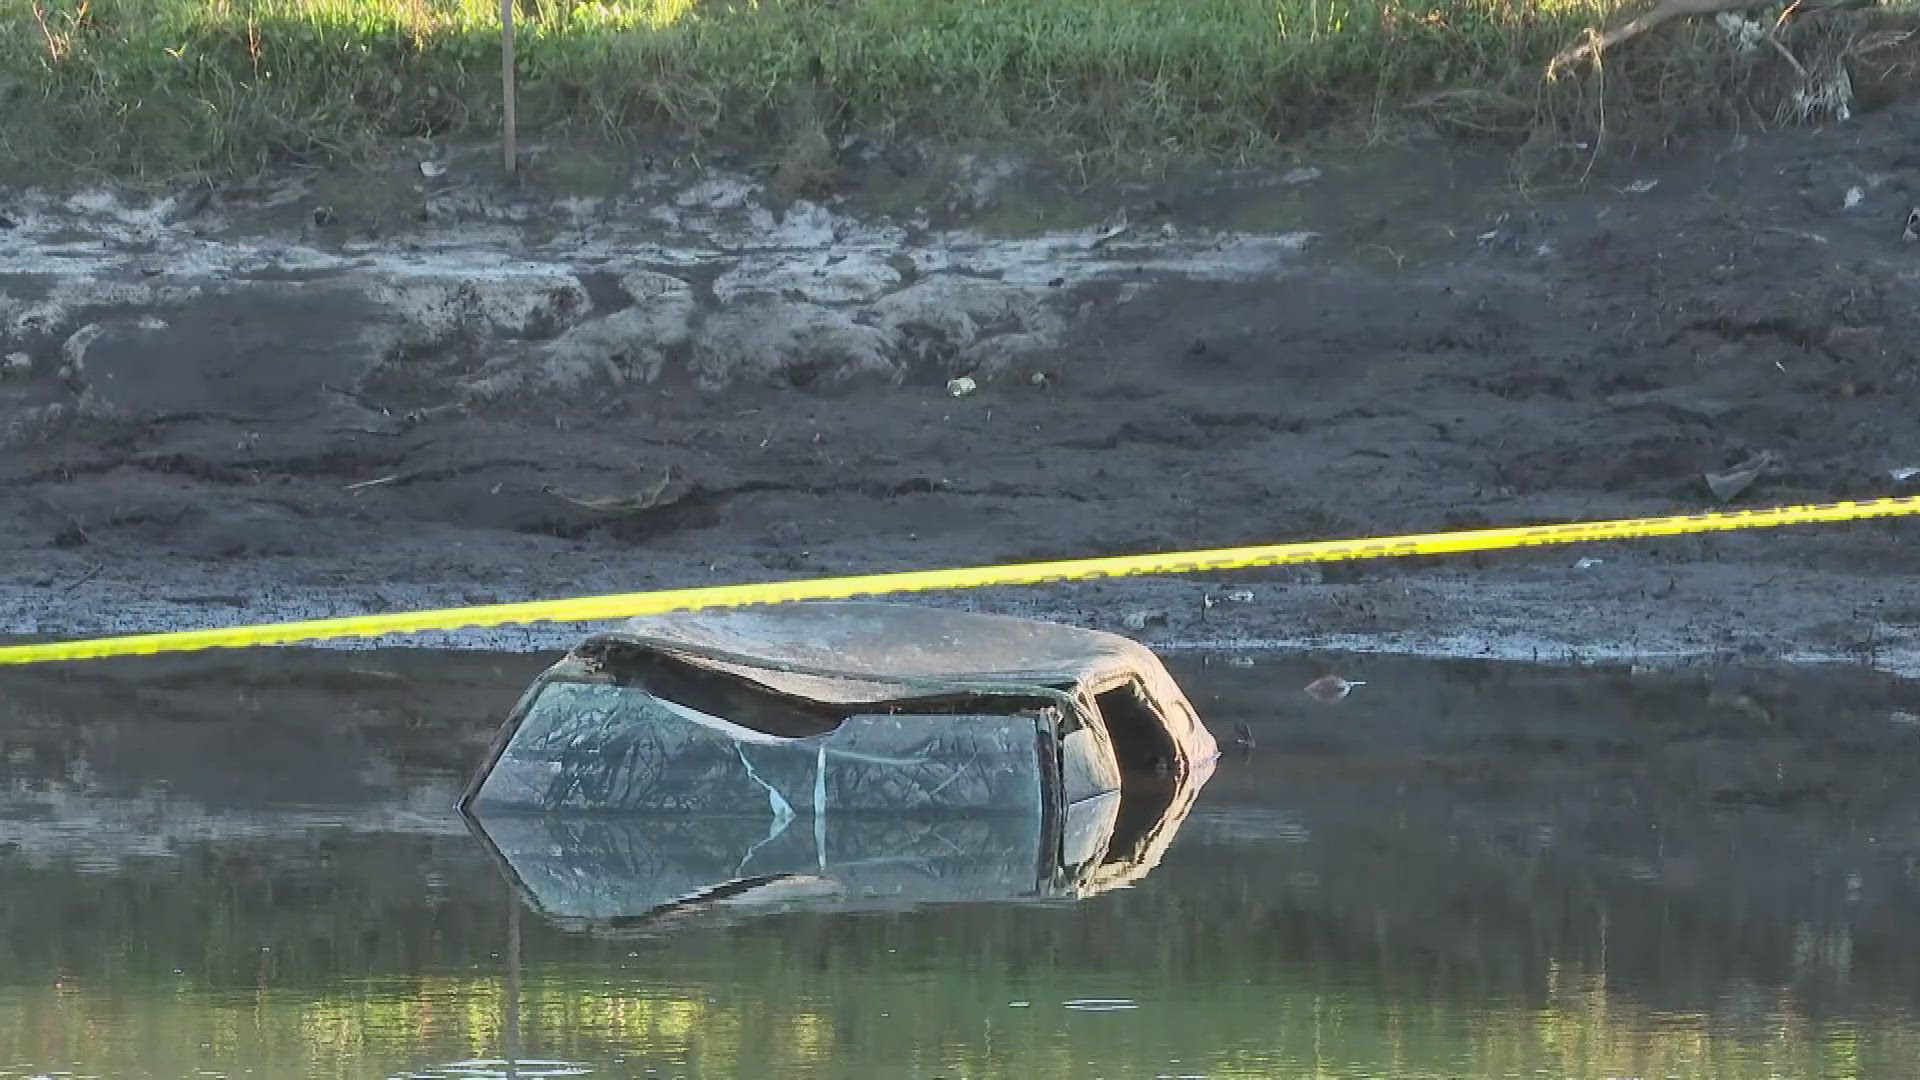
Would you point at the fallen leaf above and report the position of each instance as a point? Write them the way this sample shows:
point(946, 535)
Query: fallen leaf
point(1331, 688)
point(1729, 483)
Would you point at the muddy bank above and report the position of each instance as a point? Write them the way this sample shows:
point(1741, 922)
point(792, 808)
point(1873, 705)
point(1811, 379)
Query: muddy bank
point(325, 394)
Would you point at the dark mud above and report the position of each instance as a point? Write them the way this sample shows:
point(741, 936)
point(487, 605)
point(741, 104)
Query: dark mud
point(1447, 352)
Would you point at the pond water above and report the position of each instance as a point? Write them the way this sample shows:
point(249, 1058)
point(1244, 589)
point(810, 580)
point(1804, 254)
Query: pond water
point(249, 865)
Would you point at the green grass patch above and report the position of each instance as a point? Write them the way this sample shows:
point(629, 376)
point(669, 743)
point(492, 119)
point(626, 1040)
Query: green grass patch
point(147, 87)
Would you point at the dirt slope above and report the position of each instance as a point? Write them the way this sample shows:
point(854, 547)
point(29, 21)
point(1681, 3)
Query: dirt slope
point(351, 394)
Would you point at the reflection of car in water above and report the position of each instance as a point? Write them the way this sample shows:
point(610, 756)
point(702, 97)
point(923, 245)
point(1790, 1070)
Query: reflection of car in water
point(843, 754)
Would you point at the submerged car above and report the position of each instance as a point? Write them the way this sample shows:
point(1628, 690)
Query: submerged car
point(626, 875)
point(823, 734)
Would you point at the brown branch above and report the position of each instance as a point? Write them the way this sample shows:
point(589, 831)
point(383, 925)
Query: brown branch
point(53, 46)
point(1667, 11)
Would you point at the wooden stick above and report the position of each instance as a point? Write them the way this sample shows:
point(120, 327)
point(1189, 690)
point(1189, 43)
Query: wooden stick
point(1667, 11)
point(506, 87)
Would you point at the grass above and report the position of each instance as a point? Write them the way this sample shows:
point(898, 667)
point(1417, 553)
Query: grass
point(157, 87)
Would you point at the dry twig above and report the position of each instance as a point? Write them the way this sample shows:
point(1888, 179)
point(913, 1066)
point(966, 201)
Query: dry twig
point(1667, 11)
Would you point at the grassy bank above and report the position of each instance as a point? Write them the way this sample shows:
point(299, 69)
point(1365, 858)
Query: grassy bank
point(151, 86)
point(160, 86)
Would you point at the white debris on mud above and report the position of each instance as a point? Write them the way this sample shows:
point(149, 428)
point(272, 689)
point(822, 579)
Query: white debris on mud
point(509, 298)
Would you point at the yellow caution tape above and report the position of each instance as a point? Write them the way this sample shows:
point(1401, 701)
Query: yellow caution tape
point(629, 605)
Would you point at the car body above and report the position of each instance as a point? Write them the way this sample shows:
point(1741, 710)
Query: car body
point(1035, 758)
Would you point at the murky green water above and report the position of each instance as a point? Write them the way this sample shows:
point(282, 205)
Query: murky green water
point(248, 866)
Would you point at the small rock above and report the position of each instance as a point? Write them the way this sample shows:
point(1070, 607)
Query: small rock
point(1140, 620)
point(1330, 688)
point(1039, 378)
point(1905, 719)
point(1854, 195)
point(962, 386)
point(1305, 174)
point(433, 170)
point(1586, 564)
point(16, 366)
point(1237, 596)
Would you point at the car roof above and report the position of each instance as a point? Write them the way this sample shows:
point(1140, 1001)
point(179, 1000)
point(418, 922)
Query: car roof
point(886, 645)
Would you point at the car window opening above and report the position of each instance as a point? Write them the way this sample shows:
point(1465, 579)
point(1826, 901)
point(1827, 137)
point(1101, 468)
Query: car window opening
point(729, 697)
point(754, 705)
point(1148, 763)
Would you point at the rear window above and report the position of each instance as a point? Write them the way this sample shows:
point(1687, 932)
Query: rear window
point(596, 747)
